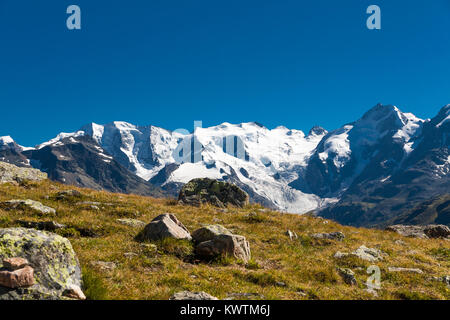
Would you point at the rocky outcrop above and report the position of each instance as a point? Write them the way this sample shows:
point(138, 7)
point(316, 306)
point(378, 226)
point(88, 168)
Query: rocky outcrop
point(35, 206)
point(217, 193)
point(50, 256)
point(424, 232)
point(217, 240)
point(187, 295)
point(13, 174)
point(164, 226)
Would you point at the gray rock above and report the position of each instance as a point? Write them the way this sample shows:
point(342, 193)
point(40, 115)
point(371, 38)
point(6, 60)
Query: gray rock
point(55, 264)
point(187, 295)
point(27, 204)
point(330, 236)
point(363, 253)
point(209, 232)
point(218, 193)
point(398, 269)
point(67, 194)
point(131, 222)
point(11, 173)
point(229, 245)
point(408, 231)
point(165, 226)
point(347, 275)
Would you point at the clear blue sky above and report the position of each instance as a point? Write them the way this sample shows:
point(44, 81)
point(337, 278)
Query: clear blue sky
point(170, 62)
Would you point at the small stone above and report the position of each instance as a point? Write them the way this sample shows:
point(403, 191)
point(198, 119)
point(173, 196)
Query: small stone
point(348, 276)
point(291, 234)
point(280, 284)
point(74, 292)
point(12, 264)
point(331, 236)
point(397, 269)
point(62, 195)
point(17, 279)
point(187, 295)
point(165, 226)
point(130, 255)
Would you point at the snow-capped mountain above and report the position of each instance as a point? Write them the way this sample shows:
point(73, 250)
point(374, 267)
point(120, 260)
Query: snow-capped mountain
point(363, 173)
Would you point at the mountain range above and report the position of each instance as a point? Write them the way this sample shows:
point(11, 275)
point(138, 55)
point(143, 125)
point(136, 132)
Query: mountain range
point(384, 168)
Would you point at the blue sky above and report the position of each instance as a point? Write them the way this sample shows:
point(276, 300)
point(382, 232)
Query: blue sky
point(170, 62)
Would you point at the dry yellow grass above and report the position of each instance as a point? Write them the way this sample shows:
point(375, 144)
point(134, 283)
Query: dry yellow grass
point(306, 266)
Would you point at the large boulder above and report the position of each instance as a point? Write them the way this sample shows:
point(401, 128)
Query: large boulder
point(216, 240)
point(51, 257)
point(11, 173)
point(165, 226)
point(218, 193)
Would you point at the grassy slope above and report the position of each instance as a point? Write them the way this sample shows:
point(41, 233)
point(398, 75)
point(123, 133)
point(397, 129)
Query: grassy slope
point(304, 265)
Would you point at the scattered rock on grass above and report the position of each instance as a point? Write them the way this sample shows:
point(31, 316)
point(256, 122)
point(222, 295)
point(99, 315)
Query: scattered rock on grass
point(104, 265)
point(363, 253)
point(330, 236)
point(27, 204)
point(398, 269)
point(41, 225)
point(347, 275)
point(424, 232)
point(165, 226)
point(131, 222)
point(187, 295)
point(291, 234)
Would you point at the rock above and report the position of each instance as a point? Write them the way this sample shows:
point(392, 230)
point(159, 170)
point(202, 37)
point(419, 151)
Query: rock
point(130, 255)
point(444, 279)
point(74, 292)
point(12, 264)
point(437, 231)
point(218, 193)
point(331, 236)
point(41, 225)
point(187, 295)
point(424, 232)
point(209, 232)
point(165, 226)
point(64, 195)
point(291, 234)
point(52, 258)
point(247, 295)
point(408, 231)
point(363, 253)
point(131, 222)
point(27, 204)
point(347, 275)
point(368, 254)
point(20, 278)
point(229, 245)
point(104, 265)
point(397, 269)
point(11, 173)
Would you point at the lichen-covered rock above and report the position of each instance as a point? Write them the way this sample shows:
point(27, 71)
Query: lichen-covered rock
point(164, 226)
point(41, 225)
point(36, 206)
point(11, 173)
point(209, 232)
point(52, 258)
point(348, 276)
point(187, 295)
point(218, 193)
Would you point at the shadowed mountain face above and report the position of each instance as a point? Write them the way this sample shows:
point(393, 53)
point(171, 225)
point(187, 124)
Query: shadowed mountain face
point(80, 161)
point(387, 167)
